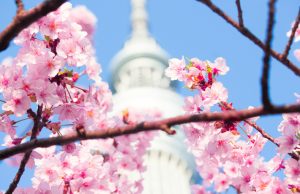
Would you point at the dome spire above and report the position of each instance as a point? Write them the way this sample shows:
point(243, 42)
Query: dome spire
point(141, 62)
point(139, 19)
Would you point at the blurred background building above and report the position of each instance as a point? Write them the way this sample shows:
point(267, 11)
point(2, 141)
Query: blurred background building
point(138, 81)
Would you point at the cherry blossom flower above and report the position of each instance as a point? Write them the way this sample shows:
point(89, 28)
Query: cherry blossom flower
point(10, 75)
point(221, 182)
point(197, 189)
point(176, 69)
point(6, 125)
point(68, 111)
point(288, 141)
point(217, 93)
point(297, 54)
point(17, 101)
point(45, 93)
point(193, 104)
point(82, 16)
point(292, 171)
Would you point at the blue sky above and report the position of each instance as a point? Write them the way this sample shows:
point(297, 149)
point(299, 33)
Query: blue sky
point(187, 28)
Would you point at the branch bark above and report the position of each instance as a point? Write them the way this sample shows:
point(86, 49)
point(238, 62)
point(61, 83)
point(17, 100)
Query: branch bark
point(267, 136)
point(240, 13)
point(232, 115)
point(13, 185)
point(266, 60)
point(20, 6)
point(247, 33)
point(23, 19)
point(289, 44)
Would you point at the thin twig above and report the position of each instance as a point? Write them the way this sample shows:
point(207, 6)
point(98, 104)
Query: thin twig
point(20, 6)
point(13, 185)
point(232, 115)
point(267, 136)
point(240, 12)
point(244, 31)
point(18, 121)
point(266, 60)
point(260, 130)
point(25, 18)
point(289, 44)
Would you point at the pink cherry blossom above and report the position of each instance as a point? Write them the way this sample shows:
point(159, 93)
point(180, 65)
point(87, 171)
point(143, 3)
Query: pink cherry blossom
point(176, 69)
point(197, 189)
point(68, 111)
point(288, 141)
point(10, 75)
point(297, 54)
point(45, 93)
point(219, 66)
point(221, 182)
point(292, 171)
point(70, 50)
point(27, 34)
point(17, 101)
point(217, 93)
point(193, 104)
point(93, 70)
point(82, 16)
point(6, 125)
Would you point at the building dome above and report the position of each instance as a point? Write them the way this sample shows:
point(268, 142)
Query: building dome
point(139, 81)
point(141, 62)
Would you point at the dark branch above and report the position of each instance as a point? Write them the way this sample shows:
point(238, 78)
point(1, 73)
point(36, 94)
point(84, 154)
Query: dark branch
point(266, 60)
point(261, 131)
point(232, 115)
point(289, 44)
point(240, 12)
point(251, 36)
point(25, 18)
point(13, 185)
point(20, 6)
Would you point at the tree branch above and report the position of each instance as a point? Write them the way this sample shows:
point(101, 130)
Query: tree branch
point(267, 136)
point(13, 185)
point(24, 18)
point(240, 12)
point(233, 115)
point(244, 31)
point(259, 129)
point(289, 44)
point(20, 6)
point(266, 67)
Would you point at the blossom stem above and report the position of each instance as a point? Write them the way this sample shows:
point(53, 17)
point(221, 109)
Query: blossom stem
point(292, 36)
point(248, 34)
point(26, 157)
point(24, 20)
point(230, 115)
point(14, 122)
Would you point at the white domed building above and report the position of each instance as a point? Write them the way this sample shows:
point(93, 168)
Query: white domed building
point(139, 81)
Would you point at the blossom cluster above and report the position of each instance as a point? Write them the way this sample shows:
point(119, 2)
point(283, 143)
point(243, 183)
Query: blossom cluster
point(227, 153)
point(57, 54)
